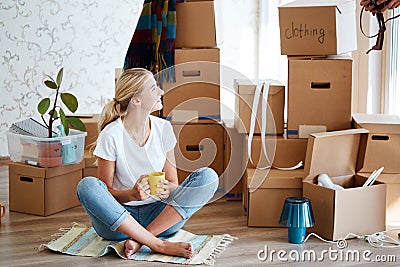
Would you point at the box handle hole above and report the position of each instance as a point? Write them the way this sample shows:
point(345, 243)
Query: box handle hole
point(26, 179)
point(320, 85)
point(191, 73)
point(380, 137)
point(194, 148)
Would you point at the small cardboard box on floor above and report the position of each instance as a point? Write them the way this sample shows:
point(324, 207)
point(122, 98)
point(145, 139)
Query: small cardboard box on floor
point(244, 96)
point(310, 27)
point(383, 145)
point(198, 24)
point(355, 209)
point(43, 191)
point(195, 95)
point(266, 192)
point(319, 99)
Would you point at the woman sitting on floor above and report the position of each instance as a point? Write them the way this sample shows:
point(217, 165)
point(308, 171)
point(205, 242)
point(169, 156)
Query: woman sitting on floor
point(131, 144)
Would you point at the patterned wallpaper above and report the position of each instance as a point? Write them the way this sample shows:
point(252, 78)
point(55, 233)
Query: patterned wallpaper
point(89, 38)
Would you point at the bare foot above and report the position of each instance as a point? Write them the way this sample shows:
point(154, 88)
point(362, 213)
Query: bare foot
point(180, 249)
point(131, 246)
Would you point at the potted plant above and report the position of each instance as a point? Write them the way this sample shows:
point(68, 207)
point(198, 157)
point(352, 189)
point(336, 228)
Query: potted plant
point(50, 151)
point(69, 100)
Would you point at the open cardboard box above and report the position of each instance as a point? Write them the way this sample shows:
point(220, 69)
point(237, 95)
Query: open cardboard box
point(356, 209)
point(383, 145)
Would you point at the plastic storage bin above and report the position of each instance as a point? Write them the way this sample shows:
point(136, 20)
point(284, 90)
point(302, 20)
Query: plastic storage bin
point(46, 152)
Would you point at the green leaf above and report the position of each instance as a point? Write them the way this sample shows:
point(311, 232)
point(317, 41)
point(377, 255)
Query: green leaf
point(64, 121)
point(51, 84)
point(70, 101)
point(77, 124)
point(60, 76)
point(43, 105)
point(55, 114)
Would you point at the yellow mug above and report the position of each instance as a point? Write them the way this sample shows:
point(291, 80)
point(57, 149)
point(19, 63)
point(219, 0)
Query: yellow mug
point(155, 178)
point(2, 211)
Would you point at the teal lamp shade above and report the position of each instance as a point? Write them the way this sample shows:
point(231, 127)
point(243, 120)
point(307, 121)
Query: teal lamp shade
point(297, 215)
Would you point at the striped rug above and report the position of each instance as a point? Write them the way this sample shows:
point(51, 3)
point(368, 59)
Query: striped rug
point(82, 240)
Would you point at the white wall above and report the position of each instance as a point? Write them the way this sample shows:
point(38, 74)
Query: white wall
point(89, 38)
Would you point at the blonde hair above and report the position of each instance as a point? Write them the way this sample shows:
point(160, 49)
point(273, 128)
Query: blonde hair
point(128, 85)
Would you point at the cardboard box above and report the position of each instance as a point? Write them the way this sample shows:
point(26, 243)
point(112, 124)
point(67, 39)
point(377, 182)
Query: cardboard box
point(234, 162)
point(90, 165)
point(199, 145)
point(43, 191)
point(268, 190)
point(392, 182)
point(339, 212)
point(288, 152)
point(319, 94)
point(318, 27)
point(196, 91)
point(383, 145)
point(197, 25)
point(244, 96)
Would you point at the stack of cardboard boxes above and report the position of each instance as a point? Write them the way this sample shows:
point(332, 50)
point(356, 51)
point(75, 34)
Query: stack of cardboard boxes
point(319, 111)
point(319, 100)
point(191, 102)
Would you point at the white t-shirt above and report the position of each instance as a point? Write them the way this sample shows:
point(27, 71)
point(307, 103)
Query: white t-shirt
point(131, 160)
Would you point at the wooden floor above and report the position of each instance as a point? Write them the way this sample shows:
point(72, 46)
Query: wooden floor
point(21, 235)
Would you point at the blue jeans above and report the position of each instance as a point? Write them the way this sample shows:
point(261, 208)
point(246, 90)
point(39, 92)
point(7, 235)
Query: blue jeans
point(107, 214)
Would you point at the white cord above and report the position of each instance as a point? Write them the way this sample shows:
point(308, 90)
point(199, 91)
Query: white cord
point(378, 239)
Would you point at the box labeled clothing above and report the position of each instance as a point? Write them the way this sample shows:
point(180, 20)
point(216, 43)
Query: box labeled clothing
point(267, 191)
point(319, 94)
point(234, 162)
point(199, 145)
point(318, 27)
point(288, 152)
point(339, 212)
point(383, 145)
point(197, 25)
point(244, 96)
point(196, 90)
point(392, 182)
point(43, 191)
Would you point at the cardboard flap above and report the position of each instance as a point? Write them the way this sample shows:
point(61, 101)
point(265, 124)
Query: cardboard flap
point(388, 178)
point(273, 178)
point(248, 87)
point(334, 153)
point(378, 123)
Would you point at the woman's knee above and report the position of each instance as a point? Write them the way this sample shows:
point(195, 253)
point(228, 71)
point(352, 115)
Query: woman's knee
point(86, 185)
point(208, 178)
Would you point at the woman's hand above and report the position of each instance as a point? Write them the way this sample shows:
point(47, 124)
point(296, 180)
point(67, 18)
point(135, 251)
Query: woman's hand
point(165, 189)
point(141, 190)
